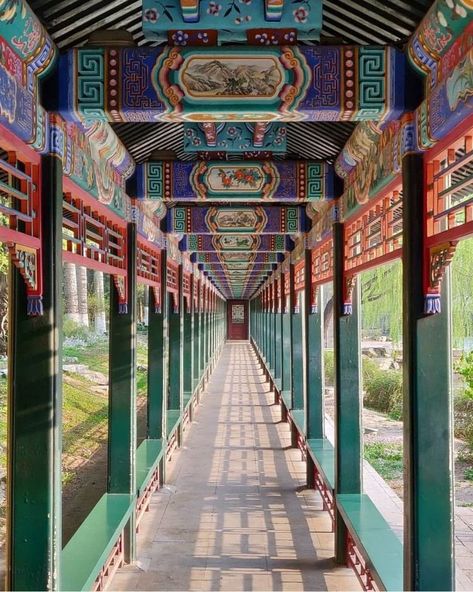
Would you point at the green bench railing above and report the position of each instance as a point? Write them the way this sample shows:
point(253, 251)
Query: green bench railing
point(374, 550)
point(96, 549)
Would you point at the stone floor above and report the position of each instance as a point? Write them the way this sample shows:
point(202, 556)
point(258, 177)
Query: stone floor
point(234, 514)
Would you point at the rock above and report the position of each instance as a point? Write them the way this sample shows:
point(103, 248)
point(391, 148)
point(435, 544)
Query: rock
point(70, 360)
point(75, 368)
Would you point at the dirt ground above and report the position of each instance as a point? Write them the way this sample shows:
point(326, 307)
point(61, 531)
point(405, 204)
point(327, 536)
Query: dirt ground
point(89, 483)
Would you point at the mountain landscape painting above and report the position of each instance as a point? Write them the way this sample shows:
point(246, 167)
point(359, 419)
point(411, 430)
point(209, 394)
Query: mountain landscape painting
point(232, 77)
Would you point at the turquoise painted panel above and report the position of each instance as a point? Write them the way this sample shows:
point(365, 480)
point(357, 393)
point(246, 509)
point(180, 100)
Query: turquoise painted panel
point(235, 137)
point(26, 54)
point(205, 22)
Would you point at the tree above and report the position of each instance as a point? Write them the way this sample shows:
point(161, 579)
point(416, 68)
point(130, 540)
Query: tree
point(83, 306)
point(381, 301)
point(71, 300)
point(462, 293)
point(100, 319)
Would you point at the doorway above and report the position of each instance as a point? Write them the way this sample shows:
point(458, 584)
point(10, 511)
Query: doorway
point(237, 320)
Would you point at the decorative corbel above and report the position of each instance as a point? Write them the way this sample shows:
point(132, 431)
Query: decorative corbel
point(314, 298)
point(438, 259)
point(121, 288)
point(157, 299)
point(28, 262)
point(349, 283)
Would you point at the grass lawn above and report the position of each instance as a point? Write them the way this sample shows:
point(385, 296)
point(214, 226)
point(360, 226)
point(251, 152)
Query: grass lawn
point(386, 459)
point(85, 420)
point(94, 355)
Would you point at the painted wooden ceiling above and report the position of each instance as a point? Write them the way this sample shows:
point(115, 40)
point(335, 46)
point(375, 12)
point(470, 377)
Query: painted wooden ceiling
point(231, 256)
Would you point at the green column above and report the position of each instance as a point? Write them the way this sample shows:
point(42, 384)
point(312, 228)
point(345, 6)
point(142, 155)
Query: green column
point(348, 460)
point(35, 409)
point(156, 364)
point(287, 346)
point(297, 351)
point(174, 368)
point(187, 348)
point(202, 333)
point(313, 345)
point(195, 346)
point(278, 343)
point(429, 562)
point(273, 333)
point(122, 390)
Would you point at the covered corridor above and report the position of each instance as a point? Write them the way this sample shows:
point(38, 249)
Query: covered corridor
point(217, 180)
point(236, 513)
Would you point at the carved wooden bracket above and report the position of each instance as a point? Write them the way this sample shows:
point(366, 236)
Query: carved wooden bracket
point(439, 258)
point(28, 263)
point(348, 287)
point(121, 288)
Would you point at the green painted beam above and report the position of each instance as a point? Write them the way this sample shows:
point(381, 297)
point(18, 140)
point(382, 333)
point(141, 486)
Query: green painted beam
point(348, 461)
point(428, 504)
point(35, 409)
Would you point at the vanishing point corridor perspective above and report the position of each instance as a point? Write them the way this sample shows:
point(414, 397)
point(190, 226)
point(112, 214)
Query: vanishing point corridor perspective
point(236, 513)
point(236, 295)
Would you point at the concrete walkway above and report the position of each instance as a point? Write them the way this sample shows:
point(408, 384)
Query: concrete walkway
point(234, 515)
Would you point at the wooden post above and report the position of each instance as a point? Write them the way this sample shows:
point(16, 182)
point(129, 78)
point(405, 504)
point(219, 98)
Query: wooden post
point(122, 390)
point(187, 346)
point(313, 345)
point(348, 459)
point(287, 344)
point(297, 349)
point(35, 408)
point(429, 562)
point(156, 359)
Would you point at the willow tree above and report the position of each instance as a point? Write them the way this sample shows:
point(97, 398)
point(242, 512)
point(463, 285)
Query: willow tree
point(381, 300)
point(462, 293)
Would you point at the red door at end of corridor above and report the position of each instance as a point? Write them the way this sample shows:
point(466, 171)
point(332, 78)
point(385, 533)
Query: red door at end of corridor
point(237, 320)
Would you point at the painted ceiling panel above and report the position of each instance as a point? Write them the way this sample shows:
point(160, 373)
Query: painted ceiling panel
point(70, 22)
point(237, 261)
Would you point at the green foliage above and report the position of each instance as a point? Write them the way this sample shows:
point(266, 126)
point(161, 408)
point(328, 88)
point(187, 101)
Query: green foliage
point(465, 369)
point(462, 293)
point(3, 422)
point(383, 392)
point(386, 459)
point(329, 367)
point(468, 474)
point(463, 412)
point(75, 330)
point(381, 299)
point(94, 355)
point(4, 259)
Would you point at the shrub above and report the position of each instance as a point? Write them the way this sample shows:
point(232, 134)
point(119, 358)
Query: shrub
point(383, 392)
point(463, 411)
point(329, 368)
point(369, 369)
point(75, 330)
point(465, 370)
